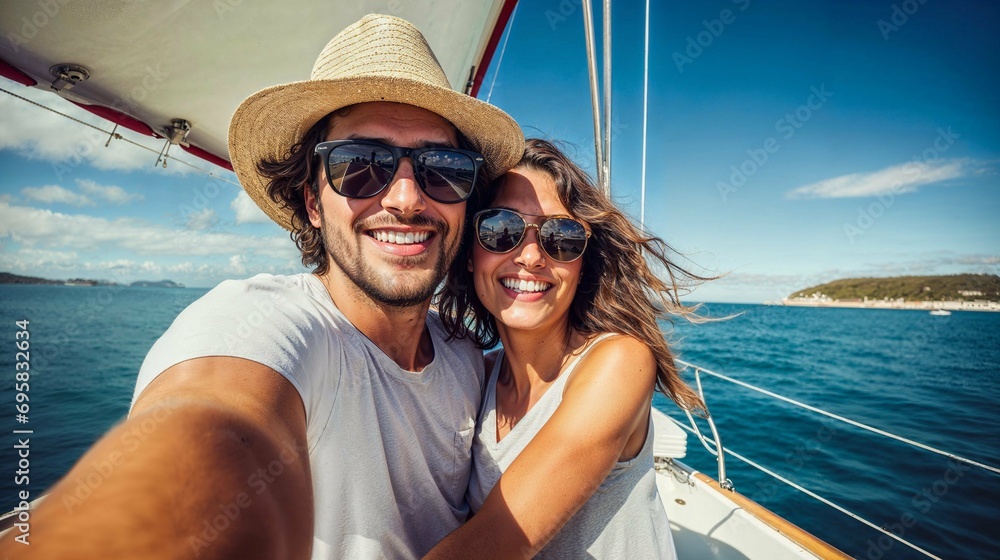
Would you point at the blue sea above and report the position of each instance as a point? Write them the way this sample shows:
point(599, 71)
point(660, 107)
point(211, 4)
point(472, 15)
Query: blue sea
point(935, 380)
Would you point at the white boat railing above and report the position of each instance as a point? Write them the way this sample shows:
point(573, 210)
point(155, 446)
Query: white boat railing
point(715, 444)
point(855, 423)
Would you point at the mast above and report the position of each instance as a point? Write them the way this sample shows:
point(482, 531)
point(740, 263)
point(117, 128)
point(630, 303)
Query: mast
point(607, 97)
point(645, 119)
point(588, 28)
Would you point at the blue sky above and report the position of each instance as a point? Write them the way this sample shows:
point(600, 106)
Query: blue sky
point(790, 144)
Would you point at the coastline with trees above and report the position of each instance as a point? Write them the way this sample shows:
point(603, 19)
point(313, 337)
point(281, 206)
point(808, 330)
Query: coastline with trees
point(959, 292)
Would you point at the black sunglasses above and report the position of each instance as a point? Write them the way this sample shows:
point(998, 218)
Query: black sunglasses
point(364, 168)
point(562, 238)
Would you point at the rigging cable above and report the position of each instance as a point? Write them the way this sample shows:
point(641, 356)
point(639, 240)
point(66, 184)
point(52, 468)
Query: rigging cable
point(503, 49)
point(117, 136)
point(645, 115)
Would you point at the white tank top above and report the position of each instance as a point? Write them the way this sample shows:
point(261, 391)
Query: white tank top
point(623, 519)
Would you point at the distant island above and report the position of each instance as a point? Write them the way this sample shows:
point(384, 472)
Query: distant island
point(159, 284)
point(8, 278)
point(970, 292)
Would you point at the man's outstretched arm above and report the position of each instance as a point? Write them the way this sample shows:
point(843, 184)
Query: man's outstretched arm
point(212, 463)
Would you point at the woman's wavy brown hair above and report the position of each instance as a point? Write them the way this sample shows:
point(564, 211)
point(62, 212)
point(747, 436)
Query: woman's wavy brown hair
point(619, 292)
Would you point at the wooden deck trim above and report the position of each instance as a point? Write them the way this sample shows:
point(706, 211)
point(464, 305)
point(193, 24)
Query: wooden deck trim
point(797, 535)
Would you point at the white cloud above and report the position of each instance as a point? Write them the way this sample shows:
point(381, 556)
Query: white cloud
point(246, 210)
point(938, 263)
point(54, 194)
point(201, 219)
point(110, 193)
point(898, 179)
point(237, 264)
point(38, 259)
point(34, 227)
point(765, 286)
point(185, 267)
point(206, 271)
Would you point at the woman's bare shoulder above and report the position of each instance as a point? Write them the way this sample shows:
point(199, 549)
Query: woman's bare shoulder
point(615, 345)
point(618, 356)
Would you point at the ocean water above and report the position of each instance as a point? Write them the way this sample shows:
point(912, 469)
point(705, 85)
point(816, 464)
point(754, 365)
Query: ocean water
point(86, 346)
point(932, 379)
point(935, 380)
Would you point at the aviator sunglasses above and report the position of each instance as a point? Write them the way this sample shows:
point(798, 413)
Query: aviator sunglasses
point(364, 168)
point(499, 230)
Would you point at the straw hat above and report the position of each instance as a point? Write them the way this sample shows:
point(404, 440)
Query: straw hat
point(379, 58)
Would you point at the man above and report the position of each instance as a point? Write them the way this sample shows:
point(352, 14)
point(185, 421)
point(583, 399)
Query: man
point(326, 411)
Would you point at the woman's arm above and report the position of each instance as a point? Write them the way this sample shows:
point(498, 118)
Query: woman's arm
point(604, 404)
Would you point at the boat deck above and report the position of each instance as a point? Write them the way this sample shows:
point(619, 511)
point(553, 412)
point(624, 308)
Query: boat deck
point(711, 522)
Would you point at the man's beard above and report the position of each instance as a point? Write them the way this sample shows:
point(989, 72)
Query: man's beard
point(370, 282)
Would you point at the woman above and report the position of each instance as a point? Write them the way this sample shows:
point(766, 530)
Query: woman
point(559, 275)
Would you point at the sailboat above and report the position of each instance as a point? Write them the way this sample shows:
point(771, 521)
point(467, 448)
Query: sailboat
point(177, 71)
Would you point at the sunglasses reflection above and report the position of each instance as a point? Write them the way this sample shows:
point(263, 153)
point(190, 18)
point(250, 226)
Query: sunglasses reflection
point(501, 231)
point(362, 169)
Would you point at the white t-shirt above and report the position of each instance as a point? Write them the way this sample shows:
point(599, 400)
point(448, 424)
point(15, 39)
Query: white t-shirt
point(389, 449)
